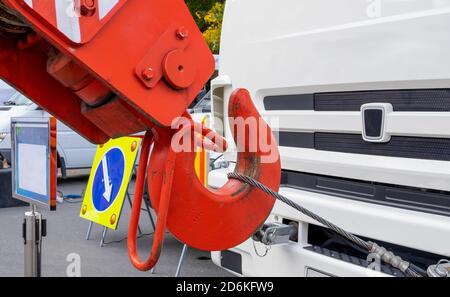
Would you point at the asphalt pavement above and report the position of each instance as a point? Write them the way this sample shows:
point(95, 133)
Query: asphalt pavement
point(66, 241)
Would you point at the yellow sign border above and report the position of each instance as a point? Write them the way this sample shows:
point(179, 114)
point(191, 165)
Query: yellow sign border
point(110, 217)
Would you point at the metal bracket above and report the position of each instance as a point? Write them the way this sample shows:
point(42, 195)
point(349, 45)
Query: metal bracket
point(150, 69)
point(275, 233)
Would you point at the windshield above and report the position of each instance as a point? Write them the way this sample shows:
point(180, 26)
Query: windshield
point(19, 100)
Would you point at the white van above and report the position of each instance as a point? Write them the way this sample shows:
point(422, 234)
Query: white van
point(74, 152)
point(361, 90)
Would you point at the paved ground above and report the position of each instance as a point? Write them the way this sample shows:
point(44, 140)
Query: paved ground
point(66, 235)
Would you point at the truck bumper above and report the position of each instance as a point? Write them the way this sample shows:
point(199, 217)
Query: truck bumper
point(290, 260)
point(406, 228)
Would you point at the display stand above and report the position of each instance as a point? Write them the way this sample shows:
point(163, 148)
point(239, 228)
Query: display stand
point(34, 171)
point(34, 228)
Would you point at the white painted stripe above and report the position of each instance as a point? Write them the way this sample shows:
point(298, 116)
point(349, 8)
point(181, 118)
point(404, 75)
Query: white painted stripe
point(67, 20)
point(29, 2)
point(314, 121)
point(427, 174)
point(397, 123)
point(105, 6)
point(425, 124)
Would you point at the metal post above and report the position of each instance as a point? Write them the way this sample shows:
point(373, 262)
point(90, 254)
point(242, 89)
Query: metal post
point(88, 234)
point(102, 242)
point(180, 262)
point(33, 231)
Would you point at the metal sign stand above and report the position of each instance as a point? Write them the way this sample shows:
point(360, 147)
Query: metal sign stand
point(105, 229)
point(180, 262)
point(34, 228)
point(147, 206)
point(148, 209)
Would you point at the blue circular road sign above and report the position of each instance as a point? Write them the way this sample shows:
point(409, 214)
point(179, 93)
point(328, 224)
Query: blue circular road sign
point(108, 179)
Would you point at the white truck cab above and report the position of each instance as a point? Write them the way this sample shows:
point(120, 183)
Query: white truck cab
point(74, 152)
point(358, 93)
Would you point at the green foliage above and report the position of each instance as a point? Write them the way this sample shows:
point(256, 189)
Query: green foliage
point(209, 15)
point(214, 20)
point(199, 8)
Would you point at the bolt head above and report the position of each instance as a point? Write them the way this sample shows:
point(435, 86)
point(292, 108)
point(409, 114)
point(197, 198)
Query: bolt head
point(148, 74)
point(133, 146)
point(182, 33)
point(84, 209)
point(87, 7)
point(113, 219)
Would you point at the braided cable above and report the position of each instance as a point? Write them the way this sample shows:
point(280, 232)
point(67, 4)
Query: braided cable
point(368, 246)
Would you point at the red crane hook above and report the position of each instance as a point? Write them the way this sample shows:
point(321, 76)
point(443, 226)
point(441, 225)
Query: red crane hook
point(207, 219)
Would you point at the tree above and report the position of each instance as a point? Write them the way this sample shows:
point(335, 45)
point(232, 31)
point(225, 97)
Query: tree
point(208, 15)
point(214, 20)
point(199, 8)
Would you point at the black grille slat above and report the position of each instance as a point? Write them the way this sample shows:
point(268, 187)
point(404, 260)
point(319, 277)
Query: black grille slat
point(399, 146)
point(401, 100)
point(422, 100)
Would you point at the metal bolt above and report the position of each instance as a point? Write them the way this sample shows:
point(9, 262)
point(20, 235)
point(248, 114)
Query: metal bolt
point(113, 218)
point(133, 146)
point(182, 33)
point(148, 74)
point(87, 7)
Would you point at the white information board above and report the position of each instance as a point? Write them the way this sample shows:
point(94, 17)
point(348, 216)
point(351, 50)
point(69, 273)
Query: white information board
point(34, 160)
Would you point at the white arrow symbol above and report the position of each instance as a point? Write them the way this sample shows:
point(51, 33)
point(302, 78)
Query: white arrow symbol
point(106, 181)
